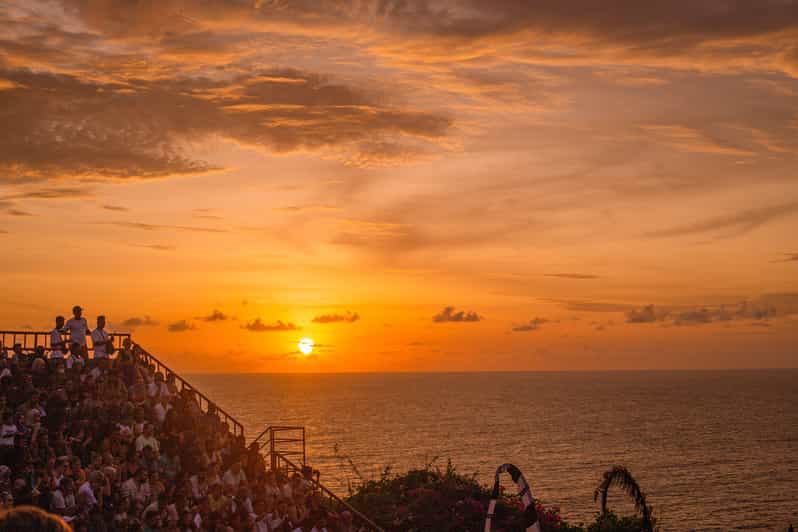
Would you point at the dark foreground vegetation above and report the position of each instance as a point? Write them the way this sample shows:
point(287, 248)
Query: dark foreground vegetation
point(443, 500)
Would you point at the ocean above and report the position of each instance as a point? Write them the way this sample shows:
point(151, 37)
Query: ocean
point(713, 450)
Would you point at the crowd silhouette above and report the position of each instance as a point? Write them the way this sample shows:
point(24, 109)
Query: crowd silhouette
point(109, 443)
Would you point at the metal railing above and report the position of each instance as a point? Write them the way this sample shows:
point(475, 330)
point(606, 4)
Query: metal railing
point(146, 357)
point(280, 458)
point(30, 340)
point(277, 436)
point(283, 463)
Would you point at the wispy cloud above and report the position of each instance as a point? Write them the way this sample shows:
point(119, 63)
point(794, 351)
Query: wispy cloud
point(532, 325)
point(257, 325)
point(788, 257)
point(693, 140)
point(581, 276)
point(305, 208)
point(181, 326)
point(448, 314)
point(158, 247)
point(205, 214)
point(157, 227)
point(730, 225)
point(17, 212)
point(216, 315)
point(115, 208)
point(593, 306)
point(349, 317)
point(52, 193)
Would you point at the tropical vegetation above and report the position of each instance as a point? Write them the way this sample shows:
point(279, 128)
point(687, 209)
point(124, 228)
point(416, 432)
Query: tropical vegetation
point(443, 500)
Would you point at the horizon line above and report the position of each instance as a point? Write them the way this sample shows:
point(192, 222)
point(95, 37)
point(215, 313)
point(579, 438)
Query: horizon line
point(476, 372)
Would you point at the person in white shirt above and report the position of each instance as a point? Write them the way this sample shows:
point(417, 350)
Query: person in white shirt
point(235, 475)
point(77, 327)
point(63, 498)
point(8, 431)
point(99, 338)
point(57, 344)
point(147, 438)
point(161, 408)
point(137, 487)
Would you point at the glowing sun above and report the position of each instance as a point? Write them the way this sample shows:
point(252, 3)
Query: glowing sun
point(305, 346)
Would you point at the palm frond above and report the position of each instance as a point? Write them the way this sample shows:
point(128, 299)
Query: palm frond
point(622, 477)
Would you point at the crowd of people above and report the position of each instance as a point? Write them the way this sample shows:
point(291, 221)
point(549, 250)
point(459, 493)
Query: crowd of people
point(108, 443)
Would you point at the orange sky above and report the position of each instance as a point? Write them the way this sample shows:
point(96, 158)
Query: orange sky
point(588, 187)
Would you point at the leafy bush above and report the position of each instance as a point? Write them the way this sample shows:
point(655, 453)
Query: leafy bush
point(435, 500)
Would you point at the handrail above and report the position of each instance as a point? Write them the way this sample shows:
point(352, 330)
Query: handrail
point(45, 335)
point(329, 493)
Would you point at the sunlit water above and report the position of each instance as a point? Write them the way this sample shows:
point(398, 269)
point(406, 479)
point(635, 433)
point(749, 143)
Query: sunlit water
point(713, 450)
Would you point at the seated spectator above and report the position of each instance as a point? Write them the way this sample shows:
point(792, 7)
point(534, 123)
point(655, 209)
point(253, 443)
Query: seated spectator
point(147, 438)
point(235, 475)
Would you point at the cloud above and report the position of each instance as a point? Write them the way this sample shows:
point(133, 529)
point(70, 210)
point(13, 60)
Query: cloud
point(259, 326)
point(17, 212)
point(134, 322)
point(693, 140)
point(305, 208)
point(115, 208)
point(205, 213)
point(593, 306)
point(216, 315)
point(788, 257)
point(572, 275)
point(157, 247)
point(143, 128)
point(51, 193)
point(157, 227)
point(680, 34)
point(181, 326)
point(448, 314)
point(730, 225)
point(647, 314)
point(349, 317)
point(765, 307)
point(531, 325)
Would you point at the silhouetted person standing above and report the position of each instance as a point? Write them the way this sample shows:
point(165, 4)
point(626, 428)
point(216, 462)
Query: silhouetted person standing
point(77, 327)
point(57, 344)
point(99, 339)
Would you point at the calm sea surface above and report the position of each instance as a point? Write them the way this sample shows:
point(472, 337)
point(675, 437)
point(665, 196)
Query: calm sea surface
point(714, 450)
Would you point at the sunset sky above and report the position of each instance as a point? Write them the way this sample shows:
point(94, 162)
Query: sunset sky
point(416, 185)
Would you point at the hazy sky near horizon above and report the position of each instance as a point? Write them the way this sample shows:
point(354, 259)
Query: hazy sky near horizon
point(414, 184)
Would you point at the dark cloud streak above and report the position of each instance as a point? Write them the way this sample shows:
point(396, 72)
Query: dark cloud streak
point(349, 317)
point(448, 314)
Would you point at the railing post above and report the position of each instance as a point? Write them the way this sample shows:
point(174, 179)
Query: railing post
point(271, 451)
